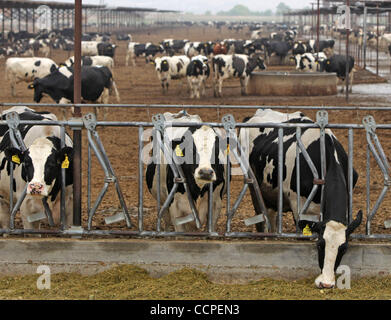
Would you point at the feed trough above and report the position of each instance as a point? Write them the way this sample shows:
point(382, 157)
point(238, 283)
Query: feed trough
point(292, 83)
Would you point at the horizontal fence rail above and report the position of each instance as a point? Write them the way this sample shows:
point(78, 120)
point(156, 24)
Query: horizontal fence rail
point(236, 155)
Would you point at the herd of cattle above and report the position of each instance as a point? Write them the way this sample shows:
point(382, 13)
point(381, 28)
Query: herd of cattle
point(201, 150)
point(199, 147)
point(173, 60)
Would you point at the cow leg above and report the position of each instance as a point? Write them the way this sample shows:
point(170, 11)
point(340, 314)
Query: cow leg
point(64, 113)
point(13, 89)
point(180, 208)
point(191, 86)
point(4, 214)
point(351, 81)
point(203, 87)
point(28, 208)
point(243, 85)
point(273, 216)
point(220, 88)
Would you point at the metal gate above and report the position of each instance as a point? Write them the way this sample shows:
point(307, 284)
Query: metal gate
point(135, 227)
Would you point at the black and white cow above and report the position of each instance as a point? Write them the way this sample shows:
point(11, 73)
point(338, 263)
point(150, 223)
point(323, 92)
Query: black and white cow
point(39, 166)
point(27, 69)
point(192, 49)
point(168, 68)
point(337, 64)
point(172, 46)
point(234, 66)
point(131, 53)
point(104, 61)
point(279, 48)
point(96, 48)
point(96, 84)
point(197, 73)
point(202, 163)
point(261, 145)
point(308, 62)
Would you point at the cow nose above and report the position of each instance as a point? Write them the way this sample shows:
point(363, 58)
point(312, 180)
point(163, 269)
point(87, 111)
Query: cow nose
point(206, 174)
point(35, 188)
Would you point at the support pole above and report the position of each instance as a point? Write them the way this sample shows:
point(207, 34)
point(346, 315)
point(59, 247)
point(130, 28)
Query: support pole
point(77, 183)
point(365, 37)
point(347, 55)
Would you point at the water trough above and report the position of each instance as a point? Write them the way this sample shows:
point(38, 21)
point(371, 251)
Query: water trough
point(292, 83)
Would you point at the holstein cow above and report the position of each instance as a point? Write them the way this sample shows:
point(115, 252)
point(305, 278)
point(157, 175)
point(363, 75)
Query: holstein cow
point(96, 84)
point(168, 68)
point(337, 64)
point(39, 166)
point(131, 54)
point(104, 61)
point(202, 163)
point(234, 66)
point(262, 147)
point(197, 72)
point(96, 48)
point(27, 69)
point(309, 62)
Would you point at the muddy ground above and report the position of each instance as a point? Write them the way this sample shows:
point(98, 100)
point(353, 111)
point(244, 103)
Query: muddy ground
point(139, 85)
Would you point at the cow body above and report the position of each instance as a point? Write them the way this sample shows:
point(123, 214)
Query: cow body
point(96, 84)
point(39, 166)
point(198, 151)
point(262, 147)
point(168, 68)
point(27, 69)
point(104, 61)
point(308, 62)
point(234, 66)
point(197, 72)
point(337, 64)
point(96, 48)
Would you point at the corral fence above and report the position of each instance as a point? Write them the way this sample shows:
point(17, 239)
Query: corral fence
point(235, 154)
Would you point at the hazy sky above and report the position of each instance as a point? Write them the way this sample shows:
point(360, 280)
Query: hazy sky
point(200, 6)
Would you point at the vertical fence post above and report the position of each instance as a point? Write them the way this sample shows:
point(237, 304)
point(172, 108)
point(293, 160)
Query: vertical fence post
point(77, 184)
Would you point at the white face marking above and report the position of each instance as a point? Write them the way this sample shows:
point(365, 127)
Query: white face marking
point(39, 151)
point(334, 236)
point(204, 140)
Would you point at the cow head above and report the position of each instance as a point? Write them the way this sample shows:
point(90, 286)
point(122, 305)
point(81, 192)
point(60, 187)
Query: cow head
point(198, 151)
point(56, 85)
point(161, 65)
point(41, 164)
point(331, 245)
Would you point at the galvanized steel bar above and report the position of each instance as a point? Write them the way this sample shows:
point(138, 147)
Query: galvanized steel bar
point(298, 186)
point(350, 173)
point(140, 180)
point(280, 177)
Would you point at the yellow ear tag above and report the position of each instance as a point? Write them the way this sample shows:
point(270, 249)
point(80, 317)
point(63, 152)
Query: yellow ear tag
point(227, 148)
point(15, 159)
point(65, 163)
point(328, 62)
point(178, 151)
point(307, 231)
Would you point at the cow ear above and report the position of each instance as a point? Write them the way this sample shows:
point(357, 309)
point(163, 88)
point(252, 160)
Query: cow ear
point(65, 157)
point(355, 223)
point(313, 226)
point(14, 155)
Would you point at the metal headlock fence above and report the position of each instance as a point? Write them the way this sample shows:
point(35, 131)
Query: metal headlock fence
point(90, 125)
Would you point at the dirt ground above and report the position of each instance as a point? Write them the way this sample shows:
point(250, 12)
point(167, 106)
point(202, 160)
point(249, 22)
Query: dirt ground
point(139, 85)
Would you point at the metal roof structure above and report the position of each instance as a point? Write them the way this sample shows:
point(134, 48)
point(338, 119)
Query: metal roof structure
point(357, 7)
point(35, 4)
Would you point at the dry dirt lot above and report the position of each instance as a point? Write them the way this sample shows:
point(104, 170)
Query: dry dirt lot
point(139, 85)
